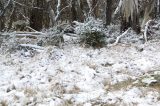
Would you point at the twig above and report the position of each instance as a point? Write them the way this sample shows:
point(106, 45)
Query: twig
point(31, 28)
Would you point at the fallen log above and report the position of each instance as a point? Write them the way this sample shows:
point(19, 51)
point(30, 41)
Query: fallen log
point(31, 46)
point(33, 33)
point(27, 36)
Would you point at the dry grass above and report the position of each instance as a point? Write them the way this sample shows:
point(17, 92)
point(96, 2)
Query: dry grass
point(120, 85)
point(30, 91)
point(3, 103)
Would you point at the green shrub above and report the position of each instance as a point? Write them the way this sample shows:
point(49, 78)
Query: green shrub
point(95, 39)
point(91, 32)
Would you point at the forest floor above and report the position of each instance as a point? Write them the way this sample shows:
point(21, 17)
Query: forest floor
point(121, 75)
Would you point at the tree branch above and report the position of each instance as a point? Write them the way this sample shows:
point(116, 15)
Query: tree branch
point(119, 37)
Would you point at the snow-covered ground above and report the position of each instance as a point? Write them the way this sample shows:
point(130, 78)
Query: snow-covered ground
point(122, 75)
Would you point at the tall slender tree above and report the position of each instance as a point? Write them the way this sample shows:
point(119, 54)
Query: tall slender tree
point(108, 11)
point(73, 10)
point(1, 16)
point(36, 18)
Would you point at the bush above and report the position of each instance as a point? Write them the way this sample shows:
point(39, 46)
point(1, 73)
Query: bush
point(54, 37)
point(95, 39)
point(91, 33)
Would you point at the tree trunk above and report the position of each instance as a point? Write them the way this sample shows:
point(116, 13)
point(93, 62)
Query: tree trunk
point(47, 15)
point(108, 11)
point(83, 10)
point(36, 19)
point(148, 12)
point(12, 18)
point(95, 8)
point(130, 16)
point(158, 8)
point(2, 25)
point(133, 23)
point(51, 15)
point(73, 11)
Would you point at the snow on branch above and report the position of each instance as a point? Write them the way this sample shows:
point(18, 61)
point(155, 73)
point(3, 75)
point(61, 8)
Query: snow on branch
point(58, 9)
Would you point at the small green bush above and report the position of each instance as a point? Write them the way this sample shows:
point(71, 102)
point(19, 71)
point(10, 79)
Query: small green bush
point(95, 39)
point(91, 32)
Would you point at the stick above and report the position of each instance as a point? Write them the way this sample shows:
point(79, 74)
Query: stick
point(119, 37)
point(31, 28)
point(146, 30)
point(156, 26)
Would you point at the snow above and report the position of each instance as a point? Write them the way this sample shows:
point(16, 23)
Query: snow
point(79, 76)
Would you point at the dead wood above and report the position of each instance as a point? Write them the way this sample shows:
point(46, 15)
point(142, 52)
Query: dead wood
point(31, 46)
point(146, 29)
point(119, 37)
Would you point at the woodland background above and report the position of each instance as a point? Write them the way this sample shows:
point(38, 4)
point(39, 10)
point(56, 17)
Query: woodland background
point(43, 14)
